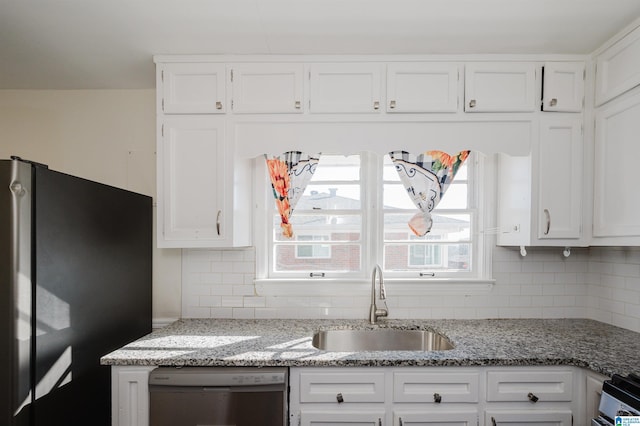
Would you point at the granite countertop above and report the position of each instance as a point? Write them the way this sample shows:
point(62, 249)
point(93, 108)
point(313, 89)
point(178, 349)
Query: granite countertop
point(600, 347)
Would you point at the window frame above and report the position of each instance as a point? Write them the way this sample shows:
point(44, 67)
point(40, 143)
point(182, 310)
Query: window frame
point(480, 175)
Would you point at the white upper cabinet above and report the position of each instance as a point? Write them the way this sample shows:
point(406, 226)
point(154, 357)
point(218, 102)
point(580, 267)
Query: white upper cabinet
point(616, 153)
point(618, 68)
point(501, 87)
point(560, 176)
point(422, 87)
point(345, 87)
point(267, 88)
point(192, 88)
point(191, 164)
point(197, 205)
point(563, 87)
point(540, 196)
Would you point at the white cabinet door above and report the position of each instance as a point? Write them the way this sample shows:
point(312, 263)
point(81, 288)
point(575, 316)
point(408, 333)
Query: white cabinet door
point(500, 87)
point(345, 88)
point(409, 417)
point(422, 87)
point(372, 417)
point(191, 181)
point(616, 204)
point(563, 86)
point(560, 177)
point(618, 68)
point(267, 88)
point(528, 418)
point(192, 88)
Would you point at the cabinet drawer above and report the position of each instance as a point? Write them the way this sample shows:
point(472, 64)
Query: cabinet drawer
point(440, 418)
point(342, 418)
point(345, 387)
point(528, 418)
point(545, 385)
point(431, 387)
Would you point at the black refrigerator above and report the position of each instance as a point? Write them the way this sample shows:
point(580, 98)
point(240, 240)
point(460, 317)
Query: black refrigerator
point(75, 284)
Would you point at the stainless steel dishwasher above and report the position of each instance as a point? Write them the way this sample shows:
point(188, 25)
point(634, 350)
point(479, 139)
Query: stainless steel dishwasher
point(218, 396)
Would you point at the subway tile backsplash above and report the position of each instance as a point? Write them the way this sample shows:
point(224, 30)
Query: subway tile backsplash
point(600, 283)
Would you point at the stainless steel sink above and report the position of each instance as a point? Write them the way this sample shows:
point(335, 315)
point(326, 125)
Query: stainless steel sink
point(384, 339)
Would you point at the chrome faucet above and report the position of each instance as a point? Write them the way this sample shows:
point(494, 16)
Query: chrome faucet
point(374, 312)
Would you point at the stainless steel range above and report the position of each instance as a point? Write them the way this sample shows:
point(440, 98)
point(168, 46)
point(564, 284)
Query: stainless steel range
point(620, 400)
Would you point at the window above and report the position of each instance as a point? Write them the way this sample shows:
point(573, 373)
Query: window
point(354, 214)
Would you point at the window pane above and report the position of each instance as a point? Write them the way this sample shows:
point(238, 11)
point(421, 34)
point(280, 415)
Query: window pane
point(324, 257)
point(454, 198)
point(337, 167)
point(327, 226)
point(330, 197)
point(427, 257)
point(446, 227)
point(395, 196)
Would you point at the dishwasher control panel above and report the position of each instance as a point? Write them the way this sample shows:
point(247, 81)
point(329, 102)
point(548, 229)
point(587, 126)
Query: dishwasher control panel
point(218, 376)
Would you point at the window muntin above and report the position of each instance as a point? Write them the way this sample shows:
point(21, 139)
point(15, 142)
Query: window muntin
point(351, 237)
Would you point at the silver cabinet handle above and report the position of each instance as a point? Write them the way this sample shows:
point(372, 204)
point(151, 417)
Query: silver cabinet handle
point(548, 216)
point(437, 398)
point(218, 105)
point(218, 221)
point(553, 102)
point(297, 104)
point(472, 103)
point(532, 397)
point(392, 104)
point(376, 105)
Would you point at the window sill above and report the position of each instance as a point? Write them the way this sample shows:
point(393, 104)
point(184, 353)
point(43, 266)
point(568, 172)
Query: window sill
point(359, 287)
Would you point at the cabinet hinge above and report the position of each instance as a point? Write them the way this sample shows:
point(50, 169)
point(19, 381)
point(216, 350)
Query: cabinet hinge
point(162, 76)
point(162, 130)
point(232, 104)
point(309, 75)
point(572, 420)
point(299, 419)
point(232, 75)
point(162, 104)
point(584, 74)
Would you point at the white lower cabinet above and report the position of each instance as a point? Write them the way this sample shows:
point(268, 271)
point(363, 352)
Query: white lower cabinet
point(408, 396)
point(420, 396)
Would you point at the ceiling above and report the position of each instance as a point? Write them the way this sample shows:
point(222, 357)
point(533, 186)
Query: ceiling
point(109, 44)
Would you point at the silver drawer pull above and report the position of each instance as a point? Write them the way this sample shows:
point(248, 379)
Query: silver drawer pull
point(376, 105)
point(472, 103)
point(218, 105)
point(297, 104)
point(392, 104)
point(553, 102)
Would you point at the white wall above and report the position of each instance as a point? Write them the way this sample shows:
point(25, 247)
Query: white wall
point(104, 135)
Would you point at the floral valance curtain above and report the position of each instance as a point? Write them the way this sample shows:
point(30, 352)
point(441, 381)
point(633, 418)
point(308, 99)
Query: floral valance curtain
point(426, 177)
point(290, 173)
